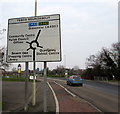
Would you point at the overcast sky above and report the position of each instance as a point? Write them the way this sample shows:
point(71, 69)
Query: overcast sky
point(86, 25)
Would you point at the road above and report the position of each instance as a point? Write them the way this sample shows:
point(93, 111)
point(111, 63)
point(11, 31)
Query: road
point(69, 102)
point(102, 96)
point(92, 97)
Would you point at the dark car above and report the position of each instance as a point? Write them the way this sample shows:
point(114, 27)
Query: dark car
point(75, 80)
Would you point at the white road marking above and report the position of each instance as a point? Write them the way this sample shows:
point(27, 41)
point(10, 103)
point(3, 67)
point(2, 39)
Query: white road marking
point(56, 79)
point(93, 106)
point(65, 89)
point(55, 97)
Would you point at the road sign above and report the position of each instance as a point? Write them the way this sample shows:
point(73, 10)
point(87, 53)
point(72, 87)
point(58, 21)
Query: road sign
point(19, 65)
point(37, 70)
point(19, 71)
point(34, 39)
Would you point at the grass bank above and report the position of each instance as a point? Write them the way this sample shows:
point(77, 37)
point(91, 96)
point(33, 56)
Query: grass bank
point(13, 78)
point(16, 78)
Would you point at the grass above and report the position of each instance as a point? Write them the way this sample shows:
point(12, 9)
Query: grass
point(13, 78)
point(0, 106)
point(0, 78)
point(16, 78)
point(3, 106)
point(114, 80)
point(55, 75)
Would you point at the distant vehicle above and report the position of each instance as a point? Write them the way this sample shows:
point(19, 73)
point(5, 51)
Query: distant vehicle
point(75, 80)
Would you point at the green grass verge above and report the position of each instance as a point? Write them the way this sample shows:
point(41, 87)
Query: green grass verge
point(0, 106)
point(55, 75)
point(13, 78)
point(3, 106)
point(0, 78)
point(114, 80)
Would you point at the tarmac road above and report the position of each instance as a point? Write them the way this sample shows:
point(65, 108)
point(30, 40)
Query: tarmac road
point(70, 98)
point(70, 103)
point(103, 96)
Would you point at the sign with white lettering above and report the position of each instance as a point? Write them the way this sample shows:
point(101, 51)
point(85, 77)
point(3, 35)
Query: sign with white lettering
point(34, 39)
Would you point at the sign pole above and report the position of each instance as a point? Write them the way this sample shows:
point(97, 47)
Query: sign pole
point(35, 7)
point(45, 86)
point(34, 64)
point(34, 87)
point(26, 87)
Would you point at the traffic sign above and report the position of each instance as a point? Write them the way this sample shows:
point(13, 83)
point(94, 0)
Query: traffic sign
point(34, 39)
point(19, 71)
point(19, 65)
point(37, 70)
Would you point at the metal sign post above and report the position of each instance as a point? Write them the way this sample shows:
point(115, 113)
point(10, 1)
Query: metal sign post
point(34, 87)
point(26, 87)
point(45, 86)
point(34, 64)
point(35, 7)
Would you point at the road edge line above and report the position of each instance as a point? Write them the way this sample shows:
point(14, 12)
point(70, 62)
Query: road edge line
point(55, 97)
point(93, 106)
point(73, 95)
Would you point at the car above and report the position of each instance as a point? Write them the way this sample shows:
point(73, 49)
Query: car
point(75, 80)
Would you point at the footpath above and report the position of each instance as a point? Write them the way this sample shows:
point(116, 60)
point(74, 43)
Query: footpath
point(13, 98)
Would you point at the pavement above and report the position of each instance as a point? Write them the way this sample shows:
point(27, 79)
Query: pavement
point(13, 95)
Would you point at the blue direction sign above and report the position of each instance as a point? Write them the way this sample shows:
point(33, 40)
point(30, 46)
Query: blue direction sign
point(37, 69)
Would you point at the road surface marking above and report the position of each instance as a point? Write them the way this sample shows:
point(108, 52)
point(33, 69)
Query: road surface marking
point(65, 89)
point(94, 106)
point(56, 79)
point(56, 100)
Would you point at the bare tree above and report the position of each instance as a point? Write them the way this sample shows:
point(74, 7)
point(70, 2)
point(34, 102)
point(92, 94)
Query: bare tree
point(106, 62)
point(2, 30)
point(3, 63)
point(60, 70)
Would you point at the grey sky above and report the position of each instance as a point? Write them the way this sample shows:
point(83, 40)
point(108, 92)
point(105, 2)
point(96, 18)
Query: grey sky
point(86, 25)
